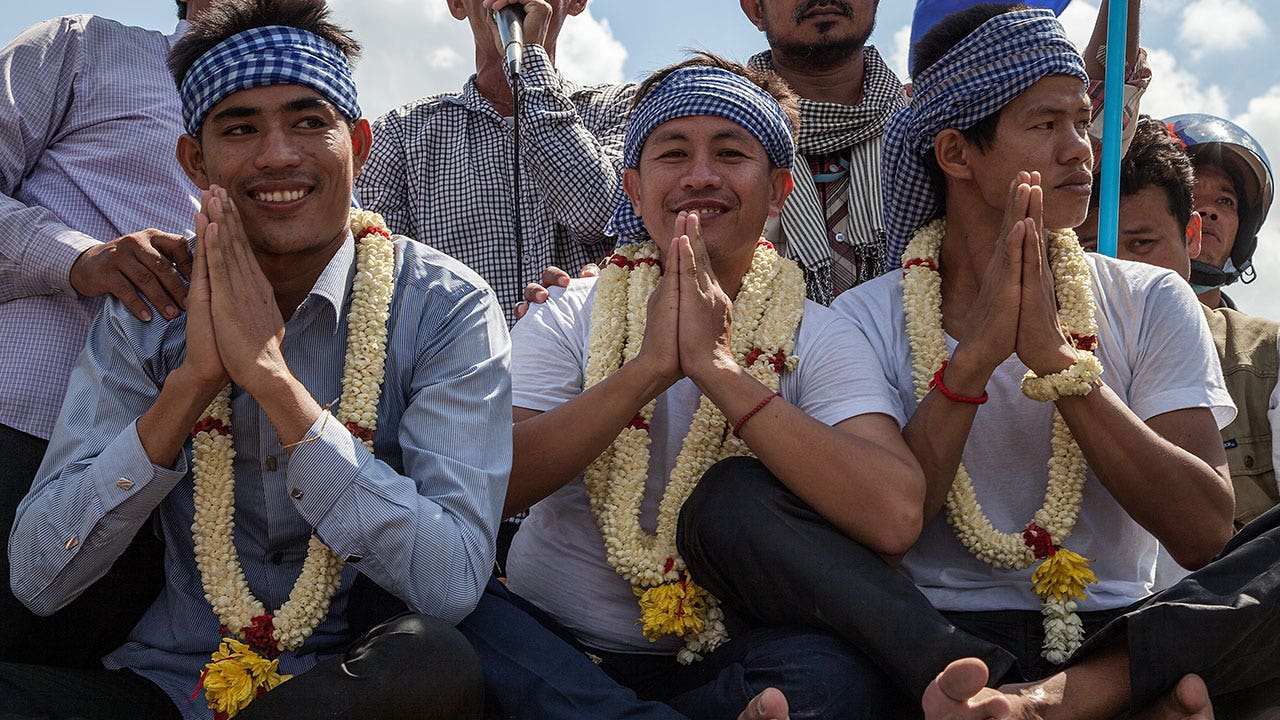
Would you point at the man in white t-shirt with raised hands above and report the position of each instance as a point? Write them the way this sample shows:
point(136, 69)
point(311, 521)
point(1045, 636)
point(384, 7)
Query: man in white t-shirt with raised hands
point(688, 349)
point(995, 337)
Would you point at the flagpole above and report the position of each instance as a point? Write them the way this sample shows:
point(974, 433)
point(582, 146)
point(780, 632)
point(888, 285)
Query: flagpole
point(1112, 117)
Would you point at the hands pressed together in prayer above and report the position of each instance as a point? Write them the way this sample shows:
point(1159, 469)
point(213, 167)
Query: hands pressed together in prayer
point(690, 320)
point(1016, 310)
point(234, 326)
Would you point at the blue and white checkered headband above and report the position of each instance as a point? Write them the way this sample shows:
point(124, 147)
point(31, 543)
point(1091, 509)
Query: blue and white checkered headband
point(270, 55)
point(700, 90)
point(981, 74)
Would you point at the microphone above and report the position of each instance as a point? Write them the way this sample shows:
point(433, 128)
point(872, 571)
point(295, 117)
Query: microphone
point(511, 33)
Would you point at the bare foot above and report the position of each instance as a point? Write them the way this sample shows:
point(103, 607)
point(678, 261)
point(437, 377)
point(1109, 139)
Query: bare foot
point(1188, 701)
point(768, 705)
point(960, 693)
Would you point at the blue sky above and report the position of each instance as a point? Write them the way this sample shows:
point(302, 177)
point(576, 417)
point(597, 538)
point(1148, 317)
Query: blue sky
point(1213, 56)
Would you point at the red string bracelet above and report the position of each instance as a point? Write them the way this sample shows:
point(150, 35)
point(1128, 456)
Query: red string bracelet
point(759, 406)
point(936, 382)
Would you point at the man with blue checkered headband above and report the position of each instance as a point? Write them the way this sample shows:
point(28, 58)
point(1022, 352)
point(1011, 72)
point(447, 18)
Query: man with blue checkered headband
point(321, 440)
point(1049, 482)
point(695, 344)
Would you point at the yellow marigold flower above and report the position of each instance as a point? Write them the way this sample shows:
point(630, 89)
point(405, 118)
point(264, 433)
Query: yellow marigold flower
point(236, 675)
point(1063, 575)
point(674, 608)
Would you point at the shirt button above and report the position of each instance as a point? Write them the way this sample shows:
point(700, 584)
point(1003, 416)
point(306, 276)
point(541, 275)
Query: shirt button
point(296, 493)
point(1248, 461)
point(271, 463)
point(277, 557)
point(528, 259)
point(124, 484)
point(71, 542)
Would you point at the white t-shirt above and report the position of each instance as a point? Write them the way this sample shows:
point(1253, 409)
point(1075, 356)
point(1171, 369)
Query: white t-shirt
point(557, 559)
point(1157, 356)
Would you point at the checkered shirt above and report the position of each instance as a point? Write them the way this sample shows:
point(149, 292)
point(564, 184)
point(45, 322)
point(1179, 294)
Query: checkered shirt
point(88, 125)
point(440, 172)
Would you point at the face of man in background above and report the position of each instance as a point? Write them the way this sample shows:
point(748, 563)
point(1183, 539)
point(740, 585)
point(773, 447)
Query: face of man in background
point(1219, 205)
point(1149, 232)
point(817, 33)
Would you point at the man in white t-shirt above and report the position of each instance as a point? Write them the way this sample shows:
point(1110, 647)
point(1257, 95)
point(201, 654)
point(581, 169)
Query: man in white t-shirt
point(687, 349)
point(995, 336)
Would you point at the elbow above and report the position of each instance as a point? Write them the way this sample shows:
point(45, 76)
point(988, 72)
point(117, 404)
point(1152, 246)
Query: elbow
point(1195, 555)
point(896, 530)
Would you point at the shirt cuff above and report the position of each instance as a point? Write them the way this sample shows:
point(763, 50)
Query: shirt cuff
point(59, 255)
point(537, 72)
point(321, 470)
point(122, 471)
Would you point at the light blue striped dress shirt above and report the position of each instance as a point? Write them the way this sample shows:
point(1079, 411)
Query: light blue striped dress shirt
point(89, 119)
point(421, 517)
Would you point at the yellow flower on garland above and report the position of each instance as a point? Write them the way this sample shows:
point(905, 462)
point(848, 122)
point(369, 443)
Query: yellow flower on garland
point(1063, 575)
point(675, 608)
point(236, 675)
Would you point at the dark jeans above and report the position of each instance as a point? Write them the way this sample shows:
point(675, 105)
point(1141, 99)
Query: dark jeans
point(742, 532)
point(534, 668)
point(412, 667)
point(93, 624)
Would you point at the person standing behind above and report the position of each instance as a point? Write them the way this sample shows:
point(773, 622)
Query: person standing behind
point(441, 167)
point(87, 127)
point(832, 225)
point(1159, 226)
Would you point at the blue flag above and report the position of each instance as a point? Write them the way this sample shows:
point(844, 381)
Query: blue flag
point(929, 12)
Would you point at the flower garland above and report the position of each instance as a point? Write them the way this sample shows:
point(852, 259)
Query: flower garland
point(241, 614)
point(766, 313)
point(1063, 575)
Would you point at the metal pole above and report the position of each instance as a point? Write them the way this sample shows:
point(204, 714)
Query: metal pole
point(1112, 117)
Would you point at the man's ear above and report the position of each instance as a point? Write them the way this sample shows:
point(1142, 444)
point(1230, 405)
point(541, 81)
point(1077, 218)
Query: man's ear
point(754, 13)
point(631, 186)
point(576, 7)
point(1193, 235)
point(458, 9)
point(191, 158)
point(954, 154)
point(781, 184)
point(361, 143)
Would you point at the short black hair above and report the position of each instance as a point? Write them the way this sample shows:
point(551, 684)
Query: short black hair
point(1156, 158)
point(767, 80)
point(230, 17)
point(929, 49)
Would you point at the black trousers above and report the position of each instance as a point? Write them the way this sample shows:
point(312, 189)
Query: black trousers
point(95, 623)
point(744, 536)
point(413, 667)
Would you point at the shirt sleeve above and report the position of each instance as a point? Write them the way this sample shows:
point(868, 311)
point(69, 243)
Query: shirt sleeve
point(426, 535)
point(839, 374)
point(573, 145)
point(96, 486)
point(382, 184)
point(1176, 365)
point(39, 72)
point(548, 348)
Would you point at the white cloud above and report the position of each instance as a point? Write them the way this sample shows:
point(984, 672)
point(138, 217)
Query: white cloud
point(897, 59)
point(1174, 90)
point(1219, 26)
point(1262, 120)
point(588, 53)
point(415, 48)
point(1078, 20)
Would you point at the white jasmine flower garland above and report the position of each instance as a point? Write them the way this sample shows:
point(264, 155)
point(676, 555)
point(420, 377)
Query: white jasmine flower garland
point(225, 586)
point(766, 314)
point(1064, 574)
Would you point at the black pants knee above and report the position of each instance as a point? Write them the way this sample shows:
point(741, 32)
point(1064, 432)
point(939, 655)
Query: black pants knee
point(412, 667)
point(773, 560)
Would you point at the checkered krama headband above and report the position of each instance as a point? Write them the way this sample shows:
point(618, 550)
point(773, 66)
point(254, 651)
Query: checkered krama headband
point(269, 55)
point(700, 90)
point(994, 64)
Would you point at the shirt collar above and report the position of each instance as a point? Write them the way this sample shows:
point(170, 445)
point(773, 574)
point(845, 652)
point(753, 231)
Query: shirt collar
point(335, 280)
point(181, 29)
